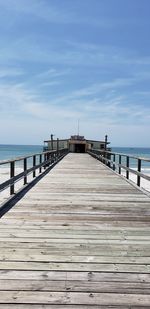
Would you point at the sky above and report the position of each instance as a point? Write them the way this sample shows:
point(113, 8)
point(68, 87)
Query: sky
point(64, 61)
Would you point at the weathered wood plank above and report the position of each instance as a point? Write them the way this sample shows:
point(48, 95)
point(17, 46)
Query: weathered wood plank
point(23, 297)
point(121, 227)
point(32, 306)
point(79, 249)
point(23, 265)
point(79, 239)
point(81, 217)
point(30, 255)
point(75, 286)
point(74, 276)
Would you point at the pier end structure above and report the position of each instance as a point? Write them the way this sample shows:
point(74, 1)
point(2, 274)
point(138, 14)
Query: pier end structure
point(76, 144)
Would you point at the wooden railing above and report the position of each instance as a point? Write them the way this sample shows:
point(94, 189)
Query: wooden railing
point(31, 164)
point(119, 161)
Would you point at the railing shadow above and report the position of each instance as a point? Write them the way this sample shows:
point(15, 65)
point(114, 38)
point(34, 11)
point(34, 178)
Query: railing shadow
point(51, 158)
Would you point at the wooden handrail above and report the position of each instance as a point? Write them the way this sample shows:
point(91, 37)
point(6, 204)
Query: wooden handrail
point(46, 159)
point(27, 157)
point(122, 154)
point(105, 157)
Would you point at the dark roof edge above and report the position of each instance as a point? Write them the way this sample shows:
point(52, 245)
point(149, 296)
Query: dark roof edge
point(67, 139)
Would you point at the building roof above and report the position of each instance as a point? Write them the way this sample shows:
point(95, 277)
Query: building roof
point(55, 140)
point(90, 140)
point(67, 139)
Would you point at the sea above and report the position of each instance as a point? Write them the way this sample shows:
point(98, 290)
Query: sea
point(8, 152)
point(12, 151)
point(134, 152)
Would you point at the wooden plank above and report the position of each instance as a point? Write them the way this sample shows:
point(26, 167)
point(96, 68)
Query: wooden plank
point(34, 297)
point(23, 265)
point(79, 239)
point(122, 227)
point(75, 286)
point(67, 232)
point(81, 217)
point(78, 249)
point(44, 256)
point(74, 276)
point(32, 306)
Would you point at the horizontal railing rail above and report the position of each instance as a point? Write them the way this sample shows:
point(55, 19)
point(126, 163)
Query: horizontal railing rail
point(37, 162)
point(118, 161)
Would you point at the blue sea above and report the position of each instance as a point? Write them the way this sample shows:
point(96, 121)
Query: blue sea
point(136, 152)
point(13, 151)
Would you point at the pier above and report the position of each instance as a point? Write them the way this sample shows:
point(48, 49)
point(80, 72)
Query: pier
point(79, 238)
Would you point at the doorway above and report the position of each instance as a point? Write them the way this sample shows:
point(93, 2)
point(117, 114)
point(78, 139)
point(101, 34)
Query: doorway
point(80, 148)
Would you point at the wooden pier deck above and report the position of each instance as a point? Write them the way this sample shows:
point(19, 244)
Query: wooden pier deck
point(80, 238)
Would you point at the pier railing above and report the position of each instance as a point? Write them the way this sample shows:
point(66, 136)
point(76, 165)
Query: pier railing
point(121, 161)
point(34, 165)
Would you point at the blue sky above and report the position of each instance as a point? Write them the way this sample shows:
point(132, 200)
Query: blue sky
point(64, 60)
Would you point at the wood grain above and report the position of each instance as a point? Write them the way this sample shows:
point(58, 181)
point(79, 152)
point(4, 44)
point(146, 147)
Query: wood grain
point(79, 239)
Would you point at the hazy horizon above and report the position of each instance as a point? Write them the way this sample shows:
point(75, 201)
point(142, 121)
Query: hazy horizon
point(112, 146)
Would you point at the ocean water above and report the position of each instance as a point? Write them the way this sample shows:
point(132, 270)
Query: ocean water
point(136, 152)
point(8, 152)
point(13, 151)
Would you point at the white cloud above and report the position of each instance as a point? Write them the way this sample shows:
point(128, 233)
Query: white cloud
point(10, 72)
point(53, 73)
point(49, 84)
point(16, 99)
point(33, 117)
point(51, 13)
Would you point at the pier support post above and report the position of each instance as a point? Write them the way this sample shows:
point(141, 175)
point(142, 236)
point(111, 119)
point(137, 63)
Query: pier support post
point(34, 164)
point(12, 174)
point(127, 165)
point(139, 170)
point(25, 168)
point(120, 164)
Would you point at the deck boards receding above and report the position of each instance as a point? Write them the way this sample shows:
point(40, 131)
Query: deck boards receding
point(79, 239)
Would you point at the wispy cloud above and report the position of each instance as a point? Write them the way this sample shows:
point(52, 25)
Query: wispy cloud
point(10, 72)
point(114, 109)
point(98, 112)
point(38, 9)
point(51, 13)
point(50, 84)
point(53, 73)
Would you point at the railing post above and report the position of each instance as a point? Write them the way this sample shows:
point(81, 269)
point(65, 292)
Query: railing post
point(40, 161)
point(34, 164)
point(52, 158)
point(45, 159)
point(48, 159)
point(25, 168)
point(57, 148)
point(139, 170)
point(108, 158)
point(120, 164)
point(104, 156)
point(114, 160)
point(12, 174)
point(101, 157)
point(127, 165)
